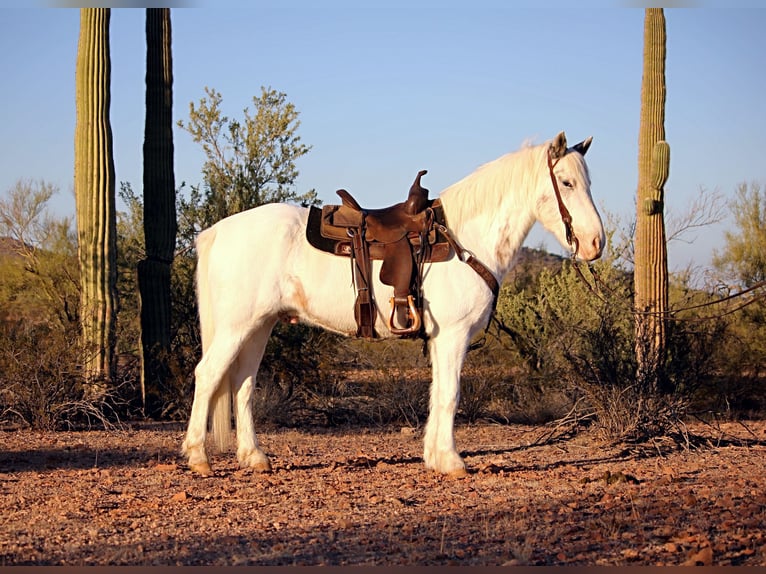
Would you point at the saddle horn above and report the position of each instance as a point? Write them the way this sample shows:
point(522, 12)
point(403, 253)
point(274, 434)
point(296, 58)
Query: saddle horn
point(417, 200)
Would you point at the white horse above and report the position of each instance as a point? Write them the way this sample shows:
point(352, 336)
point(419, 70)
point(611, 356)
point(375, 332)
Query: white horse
point(256, 267)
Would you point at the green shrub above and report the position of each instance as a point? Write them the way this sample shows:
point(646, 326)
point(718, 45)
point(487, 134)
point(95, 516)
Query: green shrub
point(580, 342)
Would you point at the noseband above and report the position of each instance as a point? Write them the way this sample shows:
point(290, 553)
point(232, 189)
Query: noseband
point(566, 217)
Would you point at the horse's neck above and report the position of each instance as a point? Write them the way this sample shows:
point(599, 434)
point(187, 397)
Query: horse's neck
point(491, 211)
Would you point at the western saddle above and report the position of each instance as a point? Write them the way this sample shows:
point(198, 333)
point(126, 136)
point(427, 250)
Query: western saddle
point(404, 236)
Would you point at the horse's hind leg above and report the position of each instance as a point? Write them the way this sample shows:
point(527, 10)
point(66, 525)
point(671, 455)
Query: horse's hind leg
point(209, 375)
point(249, 453)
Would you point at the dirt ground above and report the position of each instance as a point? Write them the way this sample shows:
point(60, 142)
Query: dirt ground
point(362, 496)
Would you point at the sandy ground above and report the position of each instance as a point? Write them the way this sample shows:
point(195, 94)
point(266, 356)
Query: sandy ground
point(362, 496)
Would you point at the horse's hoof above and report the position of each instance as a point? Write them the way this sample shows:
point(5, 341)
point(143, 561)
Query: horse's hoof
point(260, 466)
point(201, 468)
point(255, 460)
point(457, 473)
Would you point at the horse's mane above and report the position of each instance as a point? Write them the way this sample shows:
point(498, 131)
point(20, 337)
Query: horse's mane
point(486, 189)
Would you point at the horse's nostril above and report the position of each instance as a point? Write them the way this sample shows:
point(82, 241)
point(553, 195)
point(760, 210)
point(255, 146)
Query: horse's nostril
point(597, 244)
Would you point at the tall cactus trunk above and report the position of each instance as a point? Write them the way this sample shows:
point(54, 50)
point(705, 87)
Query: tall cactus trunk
point(159, 211)
point(651, 258)
point(95, 199)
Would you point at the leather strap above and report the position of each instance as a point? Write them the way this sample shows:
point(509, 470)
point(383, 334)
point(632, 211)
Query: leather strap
point(469, 259)
point(364, 308)
point(566, 217)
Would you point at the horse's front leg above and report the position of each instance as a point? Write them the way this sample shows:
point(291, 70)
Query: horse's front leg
point(249, 453)
point(447, 355)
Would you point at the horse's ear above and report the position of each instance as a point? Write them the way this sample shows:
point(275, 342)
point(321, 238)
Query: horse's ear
point(583, 146)
point(559, 146)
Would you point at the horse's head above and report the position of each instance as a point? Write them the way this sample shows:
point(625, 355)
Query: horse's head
point(565, 206)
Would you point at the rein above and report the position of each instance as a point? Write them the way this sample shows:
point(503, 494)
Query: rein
point(573, 242)
point(482, 270)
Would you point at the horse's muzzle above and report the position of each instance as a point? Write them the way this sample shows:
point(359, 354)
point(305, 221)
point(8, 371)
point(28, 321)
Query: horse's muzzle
point(590, 251)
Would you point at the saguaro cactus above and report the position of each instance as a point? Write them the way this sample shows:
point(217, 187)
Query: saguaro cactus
point(159, 209)
point(651, 259)
point(95, 197)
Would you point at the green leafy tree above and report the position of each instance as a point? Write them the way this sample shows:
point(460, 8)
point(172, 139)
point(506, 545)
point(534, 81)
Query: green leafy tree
point(742, 265)
point(40, 278)
point(95, 198)
point(249, 162)
point(743, 257)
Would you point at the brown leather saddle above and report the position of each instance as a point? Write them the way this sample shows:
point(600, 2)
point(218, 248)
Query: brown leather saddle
point(403, 236)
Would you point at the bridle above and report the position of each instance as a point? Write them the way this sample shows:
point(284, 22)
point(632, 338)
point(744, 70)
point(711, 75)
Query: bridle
point(566, 217)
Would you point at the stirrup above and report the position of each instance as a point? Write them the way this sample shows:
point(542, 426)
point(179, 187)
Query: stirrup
point(414, 316)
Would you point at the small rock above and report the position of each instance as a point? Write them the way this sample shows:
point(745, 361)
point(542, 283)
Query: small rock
point(181, 496)
point(702, 558)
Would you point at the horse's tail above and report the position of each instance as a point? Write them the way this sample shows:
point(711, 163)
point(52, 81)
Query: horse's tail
point(220, 417)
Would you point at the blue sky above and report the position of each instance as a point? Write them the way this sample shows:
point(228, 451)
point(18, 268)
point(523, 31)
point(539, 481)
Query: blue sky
point(385, 89)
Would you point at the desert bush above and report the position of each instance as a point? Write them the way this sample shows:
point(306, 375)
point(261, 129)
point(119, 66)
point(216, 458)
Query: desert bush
point(546, 323)
point(386, 382)
point(297, 367)
point(41, 383)
point(727, 359)
point(579, 342)
point(496, 386)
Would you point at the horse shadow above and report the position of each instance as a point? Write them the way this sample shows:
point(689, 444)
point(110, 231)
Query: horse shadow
point(81, 454)
point(369, 462)
point(621, 451)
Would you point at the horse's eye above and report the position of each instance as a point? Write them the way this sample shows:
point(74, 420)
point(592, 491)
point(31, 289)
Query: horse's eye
point(567, 183)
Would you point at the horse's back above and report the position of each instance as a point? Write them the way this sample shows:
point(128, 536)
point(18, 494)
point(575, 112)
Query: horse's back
point(250, 235)
point(264, 219)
